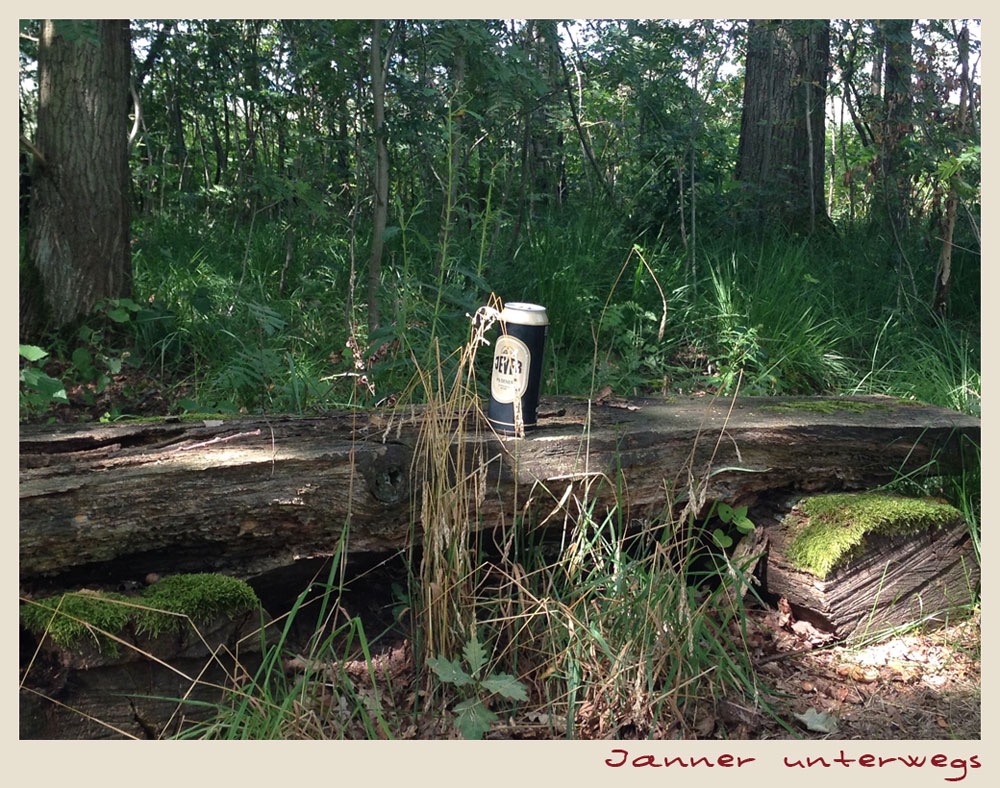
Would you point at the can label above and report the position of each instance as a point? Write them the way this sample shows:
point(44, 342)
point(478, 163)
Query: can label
point(511, 362)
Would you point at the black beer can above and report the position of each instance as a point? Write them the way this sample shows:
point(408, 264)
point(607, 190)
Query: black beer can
point(517, 368)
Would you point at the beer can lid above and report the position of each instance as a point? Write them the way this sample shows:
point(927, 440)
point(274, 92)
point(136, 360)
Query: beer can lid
point(524, 314)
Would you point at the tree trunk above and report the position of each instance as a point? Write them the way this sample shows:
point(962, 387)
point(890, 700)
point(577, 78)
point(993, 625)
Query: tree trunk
point(111, 502)
point(897, 123)
point(78, 234)
point(381, 186)
point(891, 207)
point(782, 131)
point(942, 280)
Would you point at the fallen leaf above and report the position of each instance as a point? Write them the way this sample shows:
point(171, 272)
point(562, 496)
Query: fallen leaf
point(818, 721)
point(863, 675)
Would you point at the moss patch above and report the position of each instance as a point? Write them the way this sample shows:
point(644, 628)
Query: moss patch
point(829, 405)
point(73, 618)
point(835, 528)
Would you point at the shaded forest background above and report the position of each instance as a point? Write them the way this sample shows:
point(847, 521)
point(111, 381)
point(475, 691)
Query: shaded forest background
point(290, 215)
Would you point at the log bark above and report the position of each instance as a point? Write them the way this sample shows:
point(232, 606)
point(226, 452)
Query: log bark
point(245, 496)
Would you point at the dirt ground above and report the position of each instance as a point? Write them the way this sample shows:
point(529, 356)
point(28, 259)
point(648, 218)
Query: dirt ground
point(914, 686)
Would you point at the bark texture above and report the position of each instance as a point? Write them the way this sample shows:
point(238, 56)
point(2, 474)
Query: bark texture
point(894, 581)
point(112, 502)
point(78, 234)
point(782, 131)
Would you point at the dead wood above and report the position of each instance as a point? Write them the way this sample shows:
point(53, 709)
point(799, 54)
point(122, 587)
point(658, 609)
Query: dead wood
point(245, 496)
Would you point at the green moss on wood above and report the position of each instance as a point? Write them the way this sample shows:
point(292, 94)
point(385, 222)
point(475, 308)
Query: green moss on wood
point(72, 619)
point(836, 528)
point(828, 405)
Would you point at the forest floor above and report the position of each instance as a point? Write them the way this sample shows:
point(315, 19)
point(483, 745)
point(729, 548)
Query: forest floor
point(923, 685)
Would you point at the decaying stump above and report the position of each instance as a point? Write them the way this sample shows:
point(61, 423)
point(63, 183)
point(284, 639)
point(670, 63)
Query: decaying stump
point(144, 689)
point(864, 563)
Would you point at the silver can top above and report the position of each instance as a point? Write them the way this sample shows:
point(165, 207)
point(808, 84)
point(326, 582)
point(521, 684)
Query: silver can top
point(524, 314)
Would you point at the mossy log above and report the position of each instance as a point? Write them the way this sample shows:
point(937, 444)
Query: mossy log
point(146, 688)
point(861, 564)
point(103, 503)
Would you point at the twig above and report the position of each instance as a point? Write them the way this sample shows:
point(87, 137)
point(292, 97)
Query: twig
point(219, 439)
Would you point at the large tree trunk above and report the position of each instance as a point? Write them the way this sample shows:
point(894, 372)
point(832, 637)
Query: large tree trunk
point(78, 234)
point(112, 502)
point(892, 202)
point(782, 132)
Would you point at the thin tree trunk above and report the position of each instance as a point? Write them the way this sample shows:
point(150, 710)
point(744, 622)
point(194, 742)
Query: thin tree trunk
point(942, 281)
point(581, 133)
point(456, 154)
point(379, 69)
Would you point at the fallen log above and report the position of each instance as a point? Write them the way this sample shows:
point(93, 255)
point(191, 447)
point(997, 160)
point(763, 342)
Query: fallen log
point(244, 496)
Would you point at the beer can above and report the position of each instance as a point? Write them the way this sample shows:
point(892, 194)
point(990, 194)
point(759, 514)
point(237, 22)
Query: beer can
point(517, 368)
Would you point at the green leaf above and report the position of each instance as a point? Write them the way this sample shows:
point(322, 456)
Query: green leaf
point(448, 671)
point(473, 719)
point(475, 656)
point(83, 361)
point(47, 386)
point(127, 303)
point(119, 315)
point(721, 538)
point(32, 352)
point(725, 512)
point(506, 685)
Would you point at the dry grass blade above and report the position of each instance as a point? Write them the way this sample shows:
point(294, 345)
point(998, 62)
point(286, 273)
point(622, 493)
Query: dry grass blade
point(449, 468)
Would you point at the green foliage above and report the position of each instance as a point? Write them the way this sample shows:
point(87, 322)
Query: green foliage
point(734, 518)
point(304, 691)
point(198, 597)
point(38, 390)
point(765, 312)
point(473, 716)
point(635, 626)
point(71, 620)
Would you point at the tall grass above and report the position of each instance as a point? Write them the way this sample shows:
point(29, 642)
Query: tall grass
point(624, 635)
point(229, 320)
point(449, 469)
